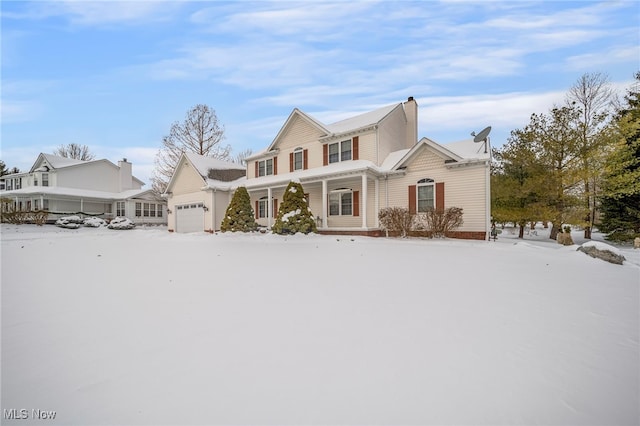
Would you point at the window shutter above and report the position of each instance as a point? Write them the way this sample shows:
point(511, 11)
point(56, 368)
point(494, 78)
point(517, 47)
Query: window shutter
point(439, 195)
point(257, 209)
point(412, 199)
point(356, 203)
point(291, 161)
point(275, 165)
point(256, 175)
point(275, 208)
point(305, 159)
point(325, 154)
point(355, 148)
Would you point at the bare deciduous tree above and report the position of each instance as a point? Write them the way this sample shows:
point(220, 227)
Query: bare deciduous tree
point(200, 133)
point(593, 96)
point(241, 157)
point(76, 151)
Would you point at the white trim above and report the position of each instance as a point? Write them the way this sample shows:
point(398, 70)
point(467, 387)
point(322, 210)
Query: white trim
point(363, 204)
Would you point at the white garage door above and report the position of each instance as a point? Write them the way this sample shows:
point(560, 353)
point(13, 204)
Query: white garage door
point(190, 218)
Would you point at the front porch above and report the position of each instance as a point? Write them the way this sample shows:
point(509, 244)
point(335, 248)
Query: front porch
point(346, 204)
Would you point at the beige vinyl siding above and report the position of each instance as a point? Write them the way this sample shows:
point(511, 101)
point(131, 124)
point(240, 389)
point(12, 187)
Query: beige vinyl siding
point(464, 187)
point(187, 179)
point(221, 202)
point(354, 184)
point(299, 134)
point(367, 147)
point(391, 134)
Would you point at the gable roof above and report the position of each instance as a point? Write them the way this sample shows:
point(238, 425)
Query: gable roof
point(55, 161)
point(203, 164)
point(462, 152)
point(352, 124)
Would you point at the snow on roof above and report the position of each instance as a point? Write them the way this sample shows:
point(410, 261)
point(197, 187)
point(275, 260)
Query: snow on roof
point(362, 120)
point(393, 158)
point(204, 163)
point(225, 186)
point(74, 192)
point(58, 162)
point(467, 149)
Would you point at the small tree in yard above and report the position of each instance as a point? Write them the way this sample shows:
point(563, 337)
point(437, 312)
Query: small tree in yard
point(239, 216)
point(396, 219)
point(439, 222)
point(294, 215)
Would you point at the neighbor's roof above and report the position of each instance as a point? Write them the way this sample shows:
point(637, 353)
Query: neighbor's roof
point(76, 193)
point(58, 162)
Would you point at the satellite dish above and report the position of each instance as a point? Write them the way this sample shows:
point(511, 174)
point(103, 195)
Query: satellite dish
point(482, 136)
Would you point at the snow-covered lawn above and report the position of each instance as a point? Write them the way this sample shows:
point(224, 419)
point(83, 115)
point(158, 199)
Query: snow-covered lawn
point(147, 327)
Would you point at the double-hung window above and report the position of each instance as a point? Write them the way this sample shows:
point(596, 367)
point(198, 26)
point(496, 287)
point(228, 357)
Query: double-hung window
point(340, 151)
point(425, 196)
point(341, 203)
point(138, 209)
point(120, 208)
point(265, 167)
point(298, 163)
point(45, 179)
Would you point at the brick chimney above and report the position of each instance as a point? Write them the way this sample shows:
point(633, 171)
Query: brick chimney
point(411, 112)
point(126, 179)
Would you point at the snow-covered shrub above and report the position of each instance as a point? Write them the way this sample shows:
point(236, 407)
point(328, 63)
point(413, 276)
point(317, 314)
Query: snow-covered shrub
point(294, 215)
point(94, 222)
point(396, 219)
point(438, 222)
point(239, 216)
point(69, 222)
point(121, 223)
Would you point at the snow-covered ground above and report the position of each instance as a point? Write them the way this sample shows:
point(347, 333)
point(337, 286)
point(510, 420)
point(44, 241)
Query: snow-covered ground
point(147, 327)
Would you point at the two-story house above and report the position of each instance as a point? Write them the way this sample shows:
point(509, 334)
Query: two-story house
point(353, 168)
point(65, 186)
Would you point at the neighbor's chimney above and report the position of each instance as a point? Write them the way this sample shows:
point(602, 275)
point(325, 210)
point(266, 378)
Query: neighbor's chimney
point(411, 111)
point(126, 180)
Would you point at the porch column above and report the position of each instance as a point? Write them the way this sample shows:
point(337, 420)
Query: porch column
point(325, 199)
point(81, 205)
point(376, 200)
point(269, 207)
point(363, 206)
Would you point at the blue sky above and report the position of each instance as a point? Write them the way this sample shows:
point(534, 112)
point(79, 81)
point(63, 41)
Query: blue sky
point(115, 75)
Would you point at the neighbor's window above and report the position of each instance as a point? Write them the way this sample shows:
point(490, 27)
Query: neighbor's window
point(159, 210)
point(45, 179)
point(146, 209)
point(120, 208)
point(138, 209)
point(340, 151)
point(425, 196)
point(265, 167)
point(45, 204)
point(341, 203)
point(297, 159)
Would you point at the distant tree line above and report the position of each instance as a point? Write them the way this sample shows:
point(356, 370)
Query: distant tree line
point(577, 164)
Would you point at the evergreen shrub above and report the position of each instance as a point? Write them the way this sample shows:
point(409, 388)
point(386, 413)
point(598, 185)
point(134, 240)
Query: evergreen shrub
point(239, 216)
point(294, 214)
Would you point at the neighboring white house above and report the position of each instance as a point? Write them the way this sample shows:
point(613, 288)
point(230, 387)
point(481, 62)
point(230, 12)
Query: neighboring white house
point(352, 169)
point(200, 191)
point(65, 186)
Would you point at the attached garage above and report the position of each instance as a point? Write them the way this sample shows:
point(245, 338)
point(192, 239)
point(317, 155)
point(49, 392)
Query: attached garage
point(190, 217)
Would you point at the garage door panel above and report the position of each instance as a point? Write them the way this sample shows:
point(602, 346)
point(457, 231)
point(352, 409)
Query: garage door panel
point(190, 217)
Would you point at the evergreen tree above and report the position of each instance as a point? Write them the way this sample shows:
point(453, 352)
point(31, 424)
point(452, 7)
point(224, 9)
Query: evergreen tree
point(294, 214)
point(620, 204)
point(3, 168)
point(239, 216)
